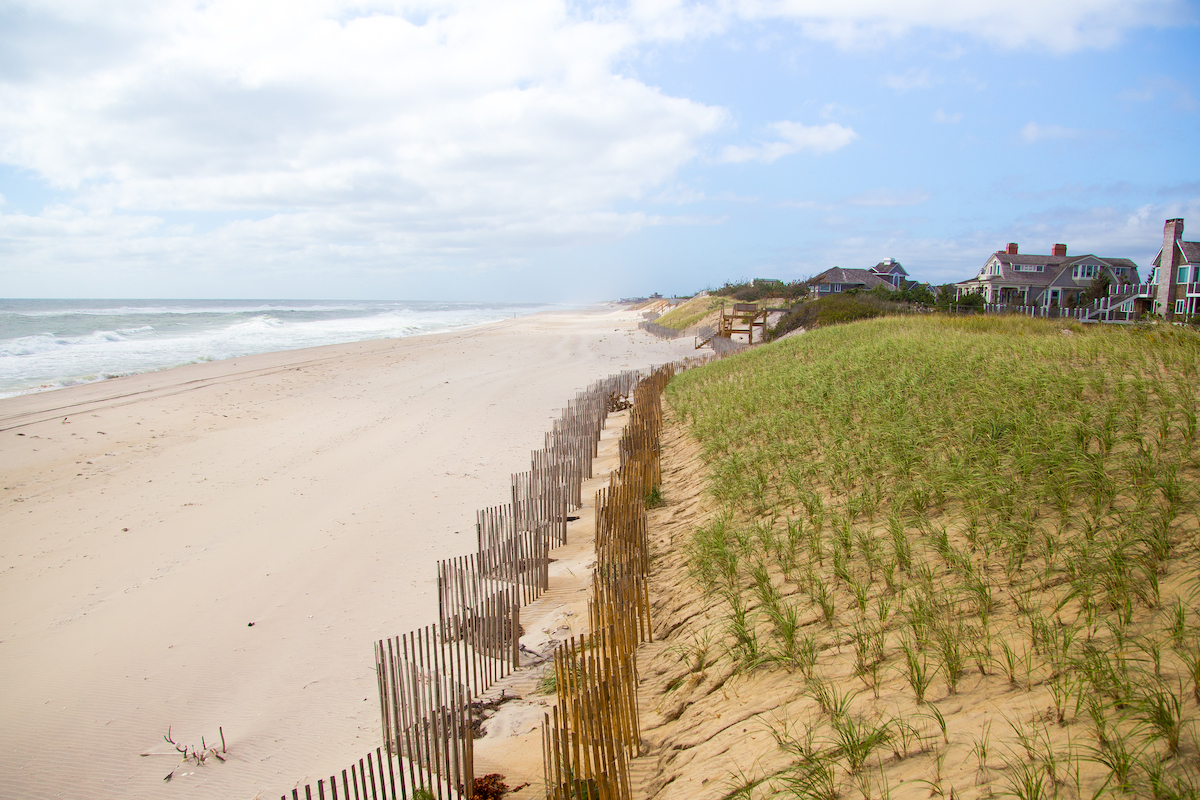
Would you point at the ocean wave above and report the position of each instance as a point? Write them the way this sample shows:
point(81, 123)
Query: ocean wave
point(37, 360)
point(204, 307)
point(48, 342)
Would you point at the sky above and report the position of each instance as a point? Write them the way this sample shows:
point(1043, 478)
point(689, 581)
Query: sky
point(571, 151)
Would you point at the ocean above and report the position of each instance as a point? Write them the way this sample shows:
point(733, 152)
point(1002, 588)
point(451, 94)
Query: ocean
point(48, 344)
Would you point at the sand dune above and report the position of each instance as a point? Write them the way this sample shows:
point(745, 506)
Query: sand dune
point(147, 521)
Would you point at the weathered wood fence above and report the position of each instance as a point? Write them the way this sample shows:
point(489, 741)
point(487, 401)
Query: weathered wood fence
point(593, 732)
point(429, 677)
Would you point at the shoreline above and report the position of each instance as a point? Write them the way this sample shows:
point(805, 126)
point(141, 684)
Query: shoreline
point(113, 371)
point(307, 491)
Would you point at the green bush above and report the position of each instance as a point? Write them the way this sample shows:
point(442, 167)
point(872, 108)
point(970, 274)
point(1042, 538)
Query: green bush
point(760, 288)
point(832, 310)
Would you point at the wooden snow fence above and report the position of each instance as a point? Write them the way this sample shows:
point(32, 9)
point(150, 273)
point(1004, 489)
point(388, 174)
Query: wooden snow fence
point(520, 559)
point(373, 778)
point(428, 677)
point(593, 732)
point(425, 705)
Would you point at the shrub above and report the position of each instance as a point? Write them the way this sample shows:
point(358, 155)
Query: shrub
point(830, 311)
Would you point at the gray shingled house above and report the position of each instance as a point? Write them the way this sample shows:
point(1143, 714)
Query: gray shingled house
point(1044, 280)
point(887, 273)
point(1179, 295)
point(843, 280)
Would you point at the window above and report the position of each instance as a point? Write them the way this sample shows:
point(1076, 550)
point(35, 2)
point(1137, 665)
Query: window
point(1179, 305)
point(837, 287)
point(824, 287)
point(1183, 275)
point(995, 268)
point(1119, 272)
point(1028, 267)
point(1084, 271)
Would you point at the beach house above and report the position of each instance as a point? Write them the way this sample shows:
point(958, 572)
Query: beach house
point(1179, 262)
point(1013, 278)
point(891, 271)
point(888, 273)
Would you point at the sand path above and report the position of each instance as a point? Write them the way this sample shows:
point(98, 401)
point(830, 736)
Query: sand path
point(145, 521)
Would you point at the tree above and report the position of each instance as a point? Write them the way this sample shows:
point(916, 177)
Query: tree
point(1099, 287)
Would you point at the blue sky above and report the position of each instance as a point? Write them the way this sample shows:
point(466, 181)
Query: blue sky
point(571, 151)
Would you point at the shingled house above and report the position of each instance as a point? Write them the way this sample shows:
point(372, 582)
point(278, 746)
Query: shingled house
point(891, 271)
point(1179, 262)
point(1043, 280)
point(887, 273)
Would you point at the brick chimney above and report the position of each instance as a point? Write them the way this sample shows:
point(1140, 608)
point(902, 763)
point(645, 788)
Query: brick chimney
point(1012, 248)
point(1059, 250)
point(1168, 261)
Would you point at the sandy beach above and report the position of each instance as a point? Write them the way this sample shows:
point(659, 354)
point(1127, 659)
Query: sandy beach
point(217, 546)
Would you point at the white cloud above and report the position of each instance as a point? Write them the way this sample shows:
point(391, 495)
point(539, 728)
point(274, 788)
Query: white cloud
point(1151, 88)
point(912, 79)
point(404, 131)
point(1061, 26)
point(793, 138)
point(487, 119)
point(832, 110)
point(1033, 132)
point(941, 117)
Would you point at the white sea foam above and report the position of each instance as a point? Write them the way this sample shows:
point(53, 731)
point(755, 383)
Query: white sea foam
point(49, 344)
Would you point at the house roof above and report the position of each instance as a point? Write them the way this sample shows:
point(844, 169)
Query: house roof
point(1055, 272)
point(1191, 253)
point(892, 267)
point(1024, 258)
point(862, 277)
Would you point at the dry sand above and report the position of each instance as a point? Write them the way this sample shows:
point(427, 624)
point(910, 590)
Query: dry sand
point(148, 520)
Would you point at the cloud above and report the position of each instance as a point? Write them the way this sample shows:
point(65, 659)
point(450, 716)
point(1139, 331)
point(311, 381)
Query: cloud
point(1033, 132)
point(475, 112)
point(831, 110)
point(943, 118)
point(1152, 88)
point(679, 195)
point(1122, 231)
point(397, 134)
point(1062, 26)
point(793, 138)
point(912, 79)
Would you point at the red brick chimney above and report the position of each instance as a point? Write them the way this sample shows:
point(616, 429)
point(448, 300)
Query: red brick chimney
point(1012, 248)
point(1169, 259)
point(1060, 250)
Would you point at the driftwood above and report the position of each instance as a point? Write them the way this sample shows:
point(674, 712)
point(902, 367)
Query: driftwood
point(191, 753)
point(618, 402)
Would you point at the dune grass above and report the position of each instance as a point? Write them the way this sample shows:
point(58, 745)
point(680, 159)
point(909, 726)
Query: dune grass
point(984, 505)
point(689, 313)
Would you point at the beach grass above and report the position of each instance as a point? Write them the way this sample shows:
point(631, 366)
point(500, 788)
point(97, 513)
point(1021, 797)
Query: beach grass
point(972, 511)
point(690, 312)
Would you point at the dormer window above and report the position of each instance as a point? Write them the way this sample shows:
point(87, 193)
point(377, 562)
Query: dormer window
point(1083, 271)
